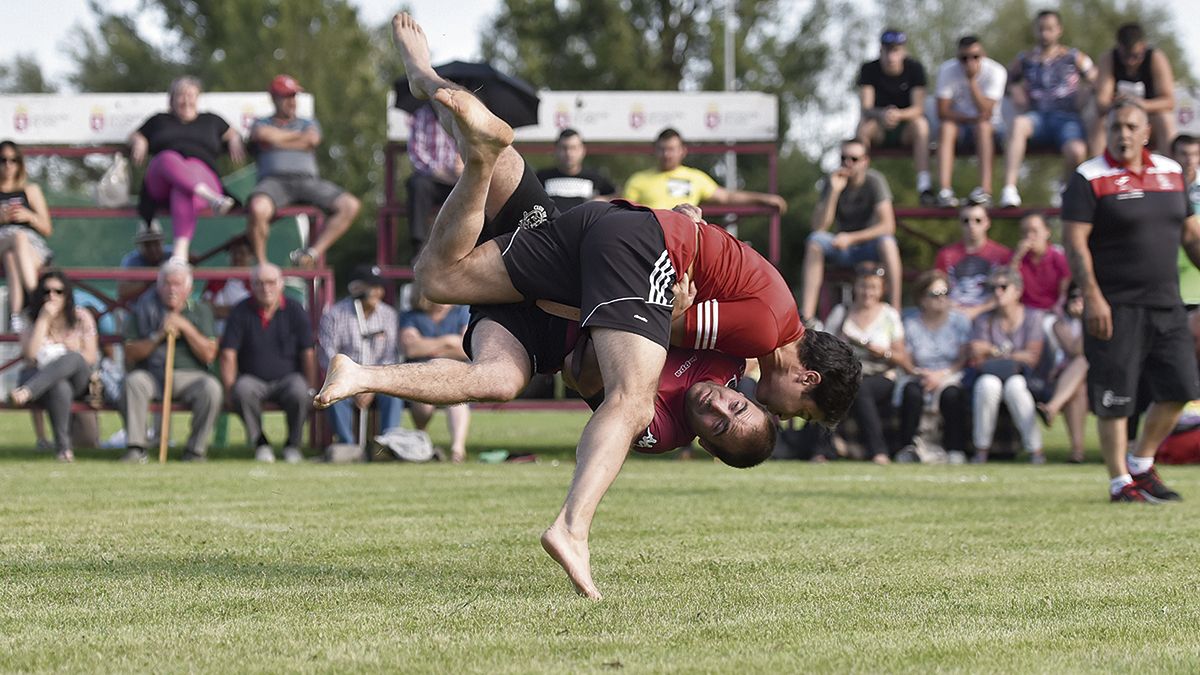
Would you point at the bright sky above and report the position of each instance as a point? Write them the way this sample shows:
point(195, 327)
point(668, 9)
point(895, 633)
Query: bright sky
point(44, 27)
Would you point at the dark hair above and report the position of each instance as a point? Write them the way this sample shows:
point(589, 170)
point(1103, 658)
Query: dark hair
point(926, 279)
point(1048, 12)
point(38, 297)
point(869, 268)
point(1183, 139)
point(1129, 35)
point(967, 40)
point(22, 176)
point(841, 373)
point(754, 451)
point(666, 135)
point(566, 134)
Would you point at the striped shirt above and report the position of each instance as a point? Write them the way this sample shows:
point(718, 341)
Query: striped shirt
point(341, 334)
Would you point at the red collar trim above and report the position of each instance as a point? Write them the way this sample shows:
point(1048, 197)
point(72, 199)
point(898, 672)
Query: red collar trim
point(262, 313)
point(1147, 161)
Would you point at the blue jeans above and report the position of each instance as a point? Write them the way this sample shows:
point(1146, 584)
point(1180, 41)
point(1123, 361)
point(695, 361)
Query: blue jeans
point(342, 415)
point(847, 257)
point(1055, 129)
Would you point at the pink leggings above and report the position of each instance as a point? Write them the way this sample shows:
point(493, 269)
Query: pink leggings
point(172, 179)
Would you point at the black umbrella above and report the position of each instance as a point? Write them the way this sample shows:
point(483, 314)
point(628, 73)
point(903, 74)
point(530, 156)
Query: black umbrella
point(511, 99)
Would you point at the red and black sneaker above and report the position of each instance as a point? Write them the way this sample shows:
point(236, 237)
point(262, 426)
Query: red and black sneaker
point(1132, 493)
point(1151, 484)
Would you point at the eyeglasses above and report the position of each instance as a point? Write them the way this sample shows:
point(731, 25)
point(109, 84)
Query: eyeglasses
point(969, 57)
point(852, 158)
point(10, 160)
point(56, 291)
point(937, 293)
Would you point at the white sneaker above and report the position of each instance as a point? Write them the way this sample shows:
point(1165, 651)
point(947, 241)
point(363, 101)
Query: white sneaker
point(264, 453)
point(1009, 197)
point(292, 455)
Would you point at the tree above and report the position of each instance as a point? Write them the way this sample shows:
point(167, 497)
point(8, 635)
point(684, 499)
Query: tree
point(23, 75)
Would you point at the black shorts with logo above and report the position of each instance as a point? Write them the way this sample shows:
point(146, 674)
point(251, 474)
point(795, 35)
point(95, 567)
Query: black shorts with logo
point(610, 261)
point(1150, 342)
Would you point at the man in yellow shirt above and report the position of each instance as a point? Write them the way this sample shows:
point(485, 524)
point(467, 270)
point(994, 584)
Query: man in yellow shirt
point(672, 183)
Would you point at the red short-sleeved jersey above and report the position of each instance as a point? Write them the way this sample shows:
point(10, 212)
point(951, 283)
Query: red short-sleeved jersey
point(684, 367)
point(743, 306)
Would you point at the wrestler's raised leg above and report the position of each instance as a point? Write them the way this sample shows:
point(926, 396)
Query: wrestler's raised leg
point(629, 366)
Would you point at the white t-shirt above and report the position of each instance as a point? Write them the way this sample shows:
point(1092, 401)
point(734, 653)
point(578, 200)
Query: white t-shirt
point(952, 84)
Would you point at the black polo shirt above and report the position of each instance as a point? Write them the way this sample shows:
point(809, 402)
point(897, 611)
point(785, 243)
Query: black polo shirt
point(272, 350)
point(1137, 225)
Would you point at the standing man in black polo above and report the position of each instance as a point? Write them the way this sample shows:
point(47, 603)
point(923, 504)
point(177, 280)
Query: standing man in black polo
point(267, 355)
point(1125, 215)
point(569, 183)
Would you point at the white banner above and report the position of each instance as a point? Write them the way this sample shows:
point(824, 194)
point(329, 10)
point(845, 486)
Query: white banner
point(1187, 110)
point(638, 116)
point(97, 119)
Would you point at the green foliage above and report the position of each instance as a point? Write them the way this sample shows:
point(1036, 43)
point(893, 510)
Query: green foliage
point(23, 75)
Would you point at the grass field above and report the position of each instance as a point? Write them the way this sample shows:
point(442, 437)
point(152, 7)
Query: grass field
point(233, 566)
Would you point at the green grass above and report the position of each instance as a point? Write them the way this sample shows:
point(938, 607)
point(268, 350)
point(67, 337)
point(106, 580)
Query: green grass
point(233, 566)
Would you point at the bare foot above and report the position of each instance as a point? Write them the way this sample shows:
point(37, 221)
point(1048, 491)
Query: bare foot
point(341, 382)
point(413, 46)
point(481, 135)
point(20, 396)
point(458, 455)
point(574, 558)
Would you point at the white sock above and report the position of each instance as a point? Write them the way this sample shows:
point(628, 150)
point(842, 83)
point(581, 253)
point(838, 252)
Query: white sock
point(1139, 465)
point(1115, 485)
point(923, 182)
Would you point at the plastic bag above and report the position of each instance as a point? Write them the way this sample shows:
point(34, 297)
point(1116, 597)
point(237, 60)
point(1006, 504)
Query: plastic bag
point(112, 190)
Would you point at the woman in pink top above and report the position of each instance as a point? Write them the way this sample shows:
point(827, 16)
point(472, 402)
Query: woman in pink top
point(60, 349)
point(1042, 265)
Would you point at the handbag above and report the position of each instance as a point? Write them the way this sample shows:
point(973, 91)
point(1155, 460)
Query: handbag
point(112, 190)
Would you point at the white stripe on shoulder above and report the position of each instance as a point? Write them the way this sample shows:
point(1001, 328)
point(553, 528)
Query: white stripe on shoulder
point(1165, 164)
point(1097, 167)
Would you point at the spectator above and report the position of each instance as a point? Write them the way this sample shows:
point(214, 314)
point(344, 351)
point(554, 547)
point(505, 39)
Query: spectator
point(1185, 149)
point(170, 309)
point(875, 333)
point(1138, 72)
point(148, 251)
point(60, 349)
point(284, 147)
point(1136, 325)
point(936, 338)
point(267, 355)
point(364, 328)
point(857, 199)
point(436, 167)
point(969, 262)
point(24, 226)
point(672, 183)
point(569, 184)
point(969, 89)
point(891, 91)
point(1065, 383)
point(1046, 88)
point(222, 295)
point(183, 170)
point(435, 331)
point(1006, 344)
point(1042, 265)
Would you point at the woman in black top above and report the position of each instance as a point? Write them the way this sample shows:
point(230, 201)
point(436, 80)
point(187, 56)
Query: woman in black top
point(184, 144)
point(24, 225)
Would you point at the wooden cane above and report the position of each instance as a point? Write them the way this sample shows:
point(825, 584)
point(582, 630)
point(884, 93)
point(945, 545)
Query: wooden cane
point(168, 382)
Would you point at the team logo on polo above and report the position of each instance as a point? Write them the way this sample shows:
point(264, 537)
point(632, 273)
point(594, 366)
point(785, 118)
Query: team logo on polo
point(533, 218)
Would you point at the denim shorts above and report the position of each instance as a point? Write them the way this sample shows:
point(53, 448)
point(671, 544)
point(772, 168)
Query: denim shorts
point(848, 257)
point(1055, 129)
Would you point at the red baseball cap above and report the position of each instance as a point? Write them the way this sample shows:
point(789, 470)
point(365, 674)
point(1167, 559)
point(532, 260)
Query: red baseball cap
point(285, 85)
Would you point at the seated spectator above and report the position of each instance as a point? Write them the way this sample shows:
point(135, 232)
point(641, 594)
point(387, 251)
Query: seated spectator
point(569, 184)
point(968, 263)
point(857, 200)
point(24, 226)
point(1185, 149)
point(222, 295)
point(284, 148)
point(1137, 71)
point(183, 145)
point(891, 91)
point(267, 355)
point(436, 167)
point(60, 348)
point(936, 337)
point(1066, 383)
point(1006, 344)
point(1042, 265)
point(148, 251)
point(169, 309)
point(969, 90)
point(1047, 90)
point(672, 183)
point(435, 331)
point(364, 328)
point(875, 333)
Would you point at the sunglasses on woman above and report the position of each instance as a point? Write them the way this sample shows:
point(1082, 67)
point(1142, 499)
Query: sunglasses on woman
point(10, 160)
point(56, 291)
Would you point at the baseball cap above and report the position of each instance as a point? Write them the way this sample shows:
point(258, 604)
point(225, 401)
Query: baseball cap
point(370, 275)
point(285, 85)
point(892, 36)
point(150, 231)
